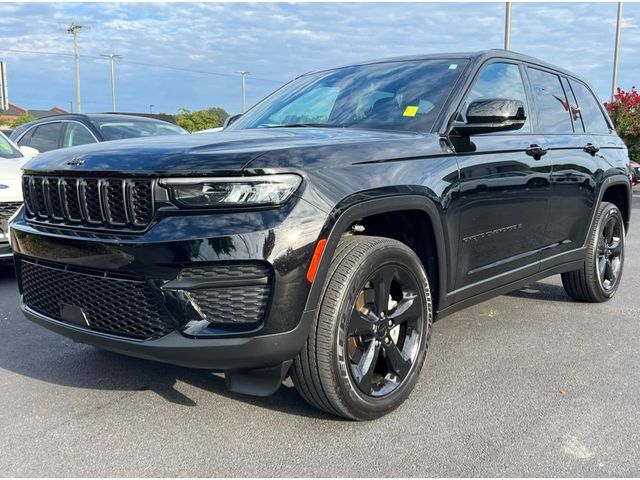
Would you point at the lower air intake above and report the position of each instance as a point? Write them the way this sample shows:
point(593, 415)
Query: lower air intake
point(123, 307)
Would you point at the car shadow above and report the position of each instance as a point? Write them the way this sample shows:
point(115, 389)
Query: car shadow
point(90, 368)
point(542, 291)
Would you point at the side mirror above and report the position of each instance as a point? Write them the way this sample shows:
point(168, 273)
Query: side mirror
point(486, 115)
point(230, 119)
point(29, 152)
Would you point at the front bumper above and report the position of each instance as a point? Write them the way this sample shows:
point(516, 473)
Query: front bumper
point(281, 238)
point(211, 353)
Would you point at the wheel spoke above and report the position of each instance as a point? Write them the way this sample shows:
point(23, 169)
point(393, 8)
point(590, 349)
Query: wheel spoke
point(615, 267)
point(407, 309)
point(395, 360)
point(608, 230)
point(382, 284)
point(602, 244)
point(608, 273)
point(359, 324)
point(364, 370)
point(602, 266)
point(616, 246)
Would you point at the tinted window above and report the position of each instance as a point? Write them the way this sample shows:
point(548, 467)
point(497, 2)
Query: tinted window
point(391, 95)
point(553, 107)
point(314, 106)
point(501, 80)
point(45, 137)
point(118, 129)
point(77, 134)
point(573, 106)
point(590, 112)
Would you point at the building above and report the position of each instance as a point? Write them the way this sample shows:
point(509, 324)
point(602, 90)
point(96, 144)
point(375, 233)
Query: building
point(16, 111)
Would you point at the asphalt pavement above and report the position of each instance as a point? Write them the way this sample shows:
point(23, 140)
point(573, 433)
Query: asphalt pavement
point(526, 384)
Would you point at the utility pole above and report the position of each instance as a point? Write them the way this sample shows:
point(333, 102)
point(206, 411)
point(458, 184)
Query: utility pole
point(70, 106)
point(616, 52)
point(151, 108)
point(244, 89)
point(73, 30)
point(112, 57)
point(507, 27)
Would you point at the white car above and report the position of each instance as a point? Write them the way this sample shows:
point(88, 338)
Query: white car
point(11, 160)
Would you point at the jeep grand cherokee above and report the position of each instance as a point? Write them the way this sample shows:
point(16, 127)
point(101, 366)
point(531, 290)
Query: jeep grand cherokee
point(321, 233)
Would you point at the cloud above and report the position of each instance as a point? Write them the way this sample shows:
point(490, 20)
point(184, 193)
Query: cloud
point(278, 41)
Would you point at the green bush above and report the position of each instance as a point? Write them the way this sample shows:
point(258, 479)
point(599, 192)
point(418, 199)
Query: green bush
point(624, 110)
point(201, 119)
point(13, 124)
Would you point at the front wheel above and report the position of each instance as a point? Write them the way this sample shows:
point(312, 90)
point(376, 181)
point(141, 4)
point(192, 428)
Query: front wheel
point(366, 349)
point(599, 277)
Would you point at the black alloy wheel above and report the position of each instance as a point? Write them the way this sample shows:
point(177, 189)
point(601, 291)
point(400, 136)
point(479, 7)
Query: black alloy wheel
point(384, 330)
point(366, 348)
point(610, 253)
point(599, 277)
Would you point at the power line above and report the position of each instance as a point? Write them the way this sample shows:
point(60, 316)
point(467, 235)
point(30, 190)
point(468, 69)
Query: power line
point(143, 64)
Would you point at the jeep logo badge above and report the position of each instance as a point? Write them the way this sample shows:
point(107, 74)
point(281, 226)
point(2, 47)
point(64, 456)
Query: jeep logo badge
point(76, 161)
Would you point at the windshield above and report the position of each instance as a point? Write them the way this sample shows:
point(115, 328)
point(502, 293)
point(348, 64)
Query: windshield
point(7, 150)
point(117, 129)
point(393, 96)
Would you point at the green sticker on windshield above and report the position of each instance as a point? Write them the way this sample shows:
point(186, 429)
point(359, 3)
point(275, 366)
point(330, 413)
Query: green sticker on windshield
point(453, 66)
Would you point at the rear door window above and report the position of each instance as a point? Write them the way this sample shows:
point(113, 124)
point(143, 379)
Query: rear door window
point(553, 106)
point(589, 109)
point(45, 137)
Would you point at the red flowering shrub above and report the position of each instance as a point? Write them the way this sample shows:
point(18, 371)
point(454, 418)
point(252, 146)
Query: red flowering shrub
point(624, 110)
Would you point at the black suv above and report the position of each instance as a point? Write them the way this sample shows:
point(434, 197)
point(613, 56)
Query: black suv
point(321, 233)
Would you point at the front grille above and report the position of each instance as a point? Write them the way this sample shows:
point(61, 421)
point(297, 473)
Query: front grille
point(120, 204)
point(236, 294)
point(6, 210)
point(119, 306)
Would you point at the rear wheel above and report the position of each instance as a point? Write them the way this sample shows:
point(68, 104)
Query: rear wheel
point(599, 277)
point(366, 349)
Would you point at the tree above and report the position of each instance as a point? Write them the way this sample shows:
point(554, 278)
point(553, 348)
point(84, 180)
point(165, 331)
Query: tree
point(624, 110)
point(15, 123)
point(201, 119)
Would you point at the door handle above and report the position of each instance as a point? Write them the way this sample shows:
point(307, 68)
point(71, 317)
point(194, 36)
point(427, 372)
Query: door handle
point(536, 151)
point(591, 148)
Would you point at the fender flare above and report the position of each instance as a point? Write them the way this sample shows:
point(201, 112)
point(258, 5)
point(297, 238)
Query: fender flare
point(618, 179)
point(343, 219)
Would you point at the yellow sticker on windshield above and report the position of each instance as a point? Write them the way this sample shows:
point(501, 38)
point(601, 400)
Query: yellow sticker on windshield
point(411, 111)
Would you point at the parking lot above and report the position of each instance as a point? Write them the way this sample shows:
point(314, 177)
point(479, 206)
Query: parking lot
point(527, 384)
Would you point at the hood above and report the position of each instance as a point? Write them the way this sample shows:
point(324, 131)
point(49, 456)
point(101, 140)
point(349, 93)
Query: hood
point(219, 153)
point(10, 180)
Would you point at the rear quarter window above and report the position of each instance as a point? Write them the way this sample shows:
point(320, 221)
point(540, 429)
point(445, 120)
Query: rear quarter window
point(589, 109)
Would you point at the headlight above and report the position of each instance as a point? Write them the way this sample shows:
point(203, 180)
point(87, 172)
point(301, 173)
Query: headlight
point(261, 190)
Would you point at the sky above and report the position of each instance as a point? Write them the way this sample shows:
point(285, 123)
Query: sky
point(185, 55)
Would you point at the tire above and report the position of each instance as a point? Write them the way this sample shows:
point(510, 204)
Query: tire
point(335, 372)
point(599, 277)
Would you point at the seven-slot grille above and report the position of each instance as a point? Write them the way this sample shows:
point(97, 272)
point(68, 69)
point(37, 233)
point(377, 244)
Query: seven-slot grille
point(111, 203)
